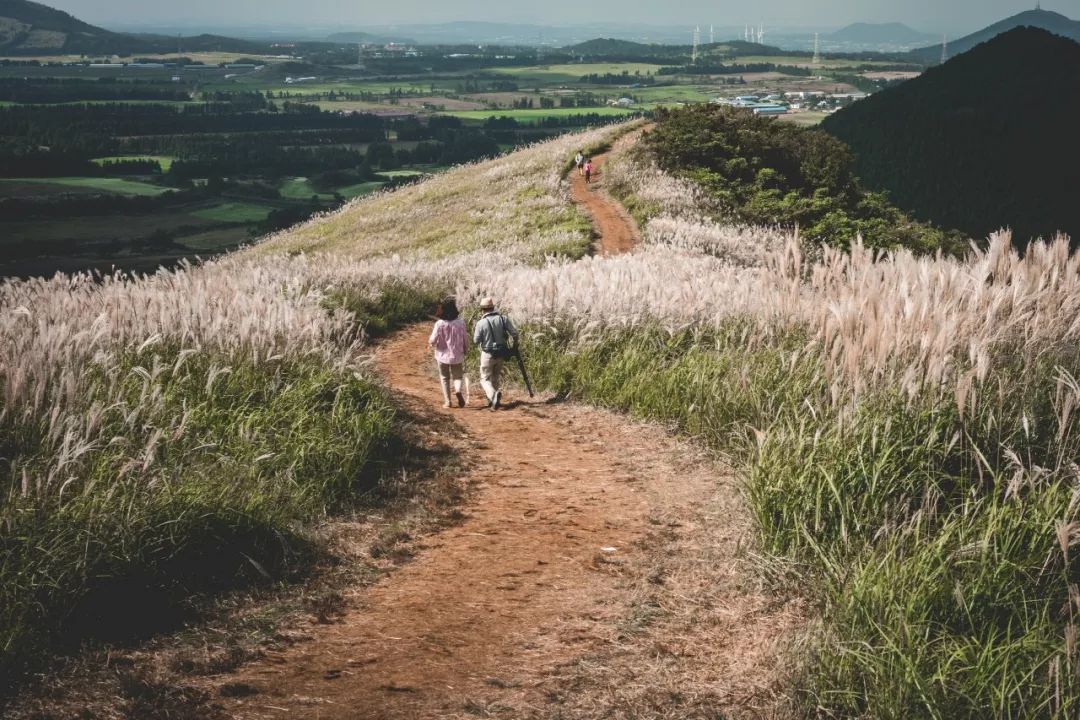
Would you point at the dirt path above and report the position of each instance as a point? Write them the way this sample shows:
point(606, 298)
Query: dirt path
point(596, 573)
point(616, 230)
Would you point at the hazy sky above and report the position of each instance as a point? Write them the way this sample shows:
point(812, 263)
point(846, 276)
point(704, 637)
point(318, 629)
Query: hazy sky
point(929, 15)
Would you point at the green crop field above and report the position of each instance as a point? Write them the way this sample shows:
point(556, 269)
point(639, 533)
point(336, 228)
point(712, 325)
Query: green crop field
point(214, 241)
point(673, 93)
point(360, 189)
point(804, 118)
point(300, 188)
point(356, 106)
point(800, 61)
point(573, 73)
point(110, 185)
point(238, 212)
point(165, 161)
point(541, 113)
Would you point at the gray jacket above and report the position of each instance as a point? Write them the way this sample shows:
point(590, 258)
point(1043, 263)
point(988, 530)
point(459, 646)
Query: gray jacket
point(491, 331)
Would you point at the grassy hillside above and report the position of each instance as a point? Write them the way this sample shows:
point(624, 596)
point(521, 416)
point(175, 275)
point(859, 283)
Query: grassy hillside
point(176, 435)
point(983, 142)
point(904, 423)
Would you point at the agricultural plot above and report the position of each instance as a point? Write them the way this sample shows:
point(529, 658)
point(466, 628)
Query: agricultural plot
point(90, 184)
point(554, 74)
point(534, 114)
point(299, 188)
point(234, 212)
point(165, 161)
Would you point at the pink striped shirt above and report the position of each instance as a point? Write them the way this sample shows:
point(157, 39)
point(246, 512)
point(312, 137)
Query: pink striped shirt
point(449, 340)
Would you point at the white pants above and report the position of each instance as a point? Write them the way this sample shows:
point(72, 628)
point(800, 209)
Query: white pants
point(448, 373)
point(490, 374)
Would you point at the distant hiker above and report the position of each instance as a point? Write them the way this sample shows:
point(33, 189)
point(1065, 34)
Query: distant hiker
point(588, 170)
point(579, 160)
point(449, 338)
point(492, 335)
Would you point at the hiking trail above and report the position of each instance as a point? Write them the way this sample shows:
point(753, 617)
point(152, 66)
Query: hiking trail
point(615, 229)
point(596, 571)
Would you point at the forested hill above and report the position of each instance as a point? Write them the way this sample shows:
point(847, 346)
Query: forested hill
point(1044, 19)
point(986, 140)
point(614, 50)
point(30, 26)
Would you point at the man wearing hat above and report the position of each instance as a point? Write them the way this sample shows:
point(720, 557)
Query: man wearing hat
point(492, 335)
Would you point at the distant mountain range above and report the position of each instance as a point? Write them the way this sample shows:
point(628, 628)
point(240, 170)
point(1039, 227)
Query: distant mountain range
point(1044, 19)
point(984, 141)
point(880, 34)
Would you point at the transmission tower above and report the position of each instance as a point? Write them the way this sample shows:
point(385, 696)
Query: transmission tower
point(944, 49)
point(697, 39)
point(817, 49)
point(761, 34)
point(712, 35)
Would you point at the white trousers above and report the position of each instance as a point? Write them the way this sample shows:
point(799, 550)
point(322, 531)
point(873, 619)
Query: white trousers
point(490, 374)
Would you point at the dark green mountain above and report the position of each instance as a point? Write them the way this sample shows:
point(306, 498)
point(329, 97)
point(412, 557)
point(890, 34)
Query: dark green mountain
point(1044, 19)
point(986, 140)
point(30, 29)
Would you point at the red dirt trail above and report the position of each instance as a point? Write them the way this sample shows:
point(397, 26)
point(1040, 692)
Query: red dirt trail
point(616, 230)
point(493, 614)
point(519, 585)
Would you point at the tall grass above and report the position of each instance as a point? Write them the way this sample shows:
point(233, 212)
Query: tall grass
point(175, 433)
point(907, 426)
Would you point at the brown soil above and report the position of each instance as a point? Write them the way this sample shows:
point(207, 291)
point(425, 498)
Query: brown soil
point(598, 572)
point(561, 559)
point(616, 231)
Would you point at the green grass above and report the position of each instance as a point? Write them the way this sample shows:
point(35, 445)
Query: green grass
point(215, 241)
point(808, 119)
point(827, 63)
point(237, 212)
point(573, 73)
point(401, 173)
point(672, 93)
point(165, 161)
point(365, 188)
point(300, 188)
point(266, 447)
point(941, 595)
point(540, 113)
point(111, 185)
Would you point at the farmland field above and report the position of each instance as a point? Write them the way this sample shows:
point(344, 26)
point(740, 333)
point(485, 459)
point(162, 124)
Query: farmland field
point(352, 191)
point(808, 118)
point(110, 185)
point(534, 114)
point(573, 73)
point(298, 189)
point(165, 161)
point(234, 212)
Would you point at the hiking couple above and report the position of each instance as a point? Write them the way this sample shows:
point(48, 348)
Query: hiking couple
point(450, 340)
point(584, 166)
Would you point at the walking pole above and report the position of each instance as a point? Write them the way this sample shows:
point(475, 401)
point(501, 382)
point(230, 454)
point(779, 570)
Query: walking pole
point(521, 366)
